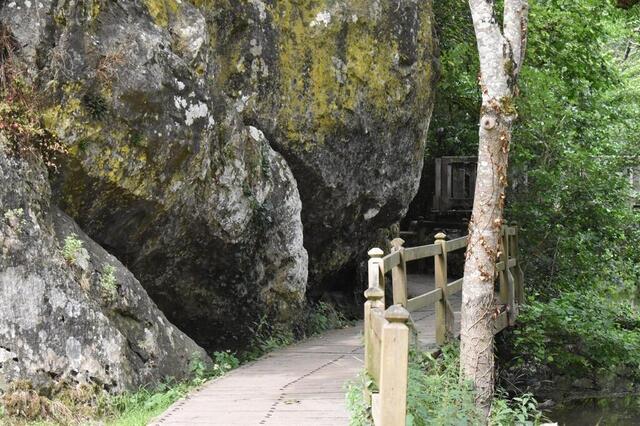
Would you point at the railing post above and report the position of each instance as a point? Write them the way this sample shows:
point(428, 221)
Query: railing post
point(394, 369)
point(374, 300)
point(518, 273)
point(376, 277)
point(399, 274)
point(444, 313)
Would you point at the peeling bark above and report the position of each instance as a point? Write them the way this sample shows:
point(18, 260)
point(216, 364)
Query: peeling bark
point(501, 52)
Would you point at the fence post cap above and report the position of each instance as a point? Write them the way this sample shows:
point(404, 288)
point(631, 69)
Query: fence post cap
point(397, 243)
point(440, 236)
point(396, 313)
point(375, 253)
point(374, 293)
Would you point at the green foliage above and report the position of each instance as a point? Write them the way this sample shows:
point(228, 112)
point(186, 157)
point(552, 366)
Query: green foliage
point(133, 409)
point(360, 414)
point(322, 317)
point(108, 281)
point(71, 248)
point(268, 336)
point(223, 362)
point(520, 410)
point(89, 405)
point(137, 408)
point(576, 136)
point(15, 218)
point(437, 396)
point(96, 104)
point(581, 333)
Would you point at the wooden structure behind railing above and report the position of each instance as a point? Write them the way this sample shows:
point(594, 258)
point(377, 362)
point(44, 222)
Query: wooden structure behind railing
point(386, 333)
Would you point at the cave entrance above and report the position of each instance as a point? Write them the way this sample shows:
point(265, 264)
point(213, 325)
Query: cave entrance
point(443, 204)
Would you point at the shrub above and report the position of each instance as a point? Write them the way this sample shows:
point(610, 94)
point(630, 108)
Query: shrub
point(578, 334)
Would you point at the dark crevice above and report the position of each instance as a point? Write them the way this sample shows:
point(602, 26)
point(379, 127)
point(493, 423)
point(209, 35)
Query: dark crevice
point(136, 351)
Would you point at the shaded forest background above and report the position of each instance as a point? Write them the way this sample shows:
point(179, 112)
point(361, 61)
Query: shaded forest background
point(575, 139)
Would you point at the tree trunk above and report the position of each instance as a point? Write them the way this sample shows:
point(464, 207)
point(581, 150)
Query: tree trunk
point(500, 61)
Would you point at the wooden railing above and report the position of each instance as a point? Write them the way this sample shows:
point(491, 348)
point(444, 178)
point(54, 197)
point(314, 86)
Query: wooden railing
point(386, 332)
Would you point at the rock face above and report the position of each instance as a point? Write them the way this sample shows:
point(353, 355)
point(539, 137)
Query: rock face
point(69, 311)
point(207, 137)
point(344, 91)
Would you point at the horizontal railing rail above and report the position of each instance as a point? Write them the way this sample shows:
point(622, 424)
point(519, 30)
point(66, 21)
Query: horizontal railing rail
point(386, 332)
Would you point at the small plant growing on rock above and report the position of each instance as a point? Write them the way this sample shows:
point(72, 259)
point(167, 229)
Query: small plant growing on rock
point(72, 247)
point(96, 104)
point(108, 282)
point(15, 218)
point(20, 109)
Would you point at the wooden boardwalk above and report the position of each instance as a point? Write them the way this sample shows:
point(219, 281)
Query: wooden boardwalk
point(301, 385)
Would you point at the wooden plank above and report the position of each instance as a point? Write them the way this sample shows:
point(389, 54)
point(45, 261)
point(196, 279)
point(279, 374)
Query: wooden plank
point(501, 323)
point(454, 286)
point(410, 233)
point(421, 252)
point(456, 244)
point(423, 300)
point(390, 261)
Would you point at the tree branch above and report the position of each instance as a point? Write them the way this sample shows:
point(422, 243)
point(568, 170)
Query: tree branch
point(491, 49)
point(515, 30)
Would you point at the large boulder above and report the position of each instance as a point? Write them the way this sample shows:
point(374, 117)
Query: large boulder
point(71, 313)
point(161, 170)
point(344, 91)
point(206, 138)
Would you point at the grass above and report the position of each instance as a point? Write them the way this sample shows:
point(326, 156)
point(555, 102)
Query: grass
point(268, 337)
point(437, 396)
point(22, 405)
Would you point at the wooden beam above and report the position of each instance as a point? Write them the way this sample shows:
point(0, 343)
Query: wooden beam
point(500, 323)
point(423, 300)
point(390, 261)
point(454, 286)
point(456, 244)
point(421, 252)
